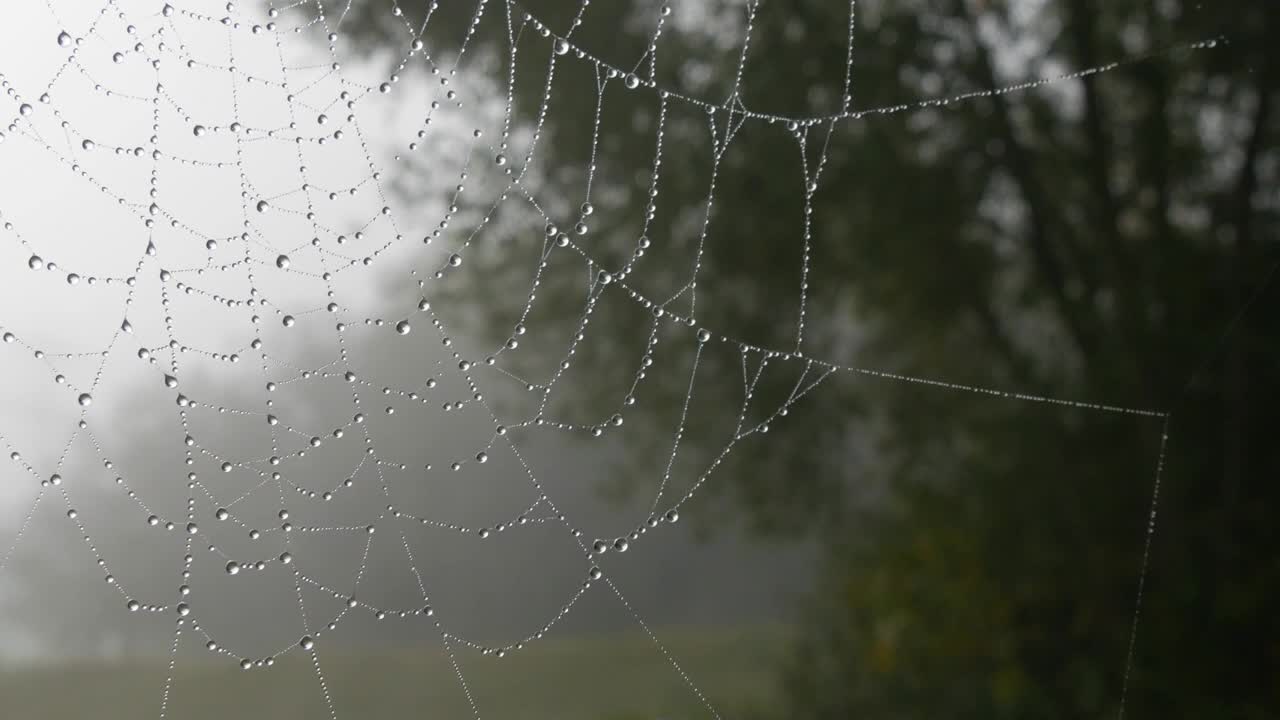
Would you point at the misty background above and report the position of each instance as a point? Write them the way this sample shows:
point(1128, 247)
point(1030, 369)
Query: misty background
point(886, 549)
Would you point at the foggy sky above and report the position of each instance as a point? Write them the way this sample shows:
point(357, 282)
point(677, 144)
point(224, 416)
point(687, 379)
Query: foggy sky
point(53, 598)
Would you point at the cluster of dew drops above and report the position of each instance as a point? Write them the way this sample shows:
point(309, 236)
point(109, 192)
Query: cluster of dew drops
point(561, 46)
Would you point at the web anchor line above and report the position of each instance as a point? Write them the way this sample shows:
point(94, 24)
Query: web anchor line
point(1148, 537)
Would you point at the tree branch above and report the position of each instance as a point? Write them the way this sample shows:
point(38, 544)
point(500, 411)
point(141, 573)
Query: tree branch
point(1047, 262)
point(1125, 273)
point(1237, 369)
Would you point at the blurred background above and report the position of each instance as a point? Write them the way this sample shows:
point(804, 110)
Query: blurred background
point(877, 548)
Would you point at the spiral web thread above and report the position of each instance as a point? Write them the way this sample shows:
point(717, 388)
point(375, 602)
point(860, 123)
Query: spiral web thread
point(157, 39)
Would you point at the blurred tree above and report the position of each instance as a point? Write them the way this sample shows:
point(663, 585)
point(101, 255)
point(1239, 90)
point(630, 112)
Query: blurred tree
point(1096, 238)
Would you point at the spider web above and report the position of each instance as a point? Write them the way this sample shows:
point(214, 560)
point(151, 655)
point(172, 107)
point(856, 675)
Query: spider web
point(289, 215)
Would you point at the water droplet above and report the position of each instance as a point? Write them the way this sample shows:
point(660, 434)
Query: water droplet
point(85, 399)
point(384, 88)
point(595, 573)
point(455, 260)
point(233, 568)
point(170, 381)
point(482, 457)
point(117, 57)
point(134, 606)
point(306, 643)
point(286, 558)
point(262, 206)
point(288, 321)
point(632, 82)
point(35, 262)
point(704, 335)
point(621, 545)
point(65, 39)
point(500, 159)
point(226, 467)
point(222, 514)
point(605, 278)
point(87, 144)
point(198, 131)
point(562, 46)
point(282, 262)
point(600, 547)
point(25, 109)
point(192, 528)
point(402, 327)
point(73, 279)
point(672, 515)
point(167, 11)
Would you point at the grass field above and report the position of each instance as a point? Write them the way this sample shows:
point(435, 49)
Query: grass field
point(615, 677)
